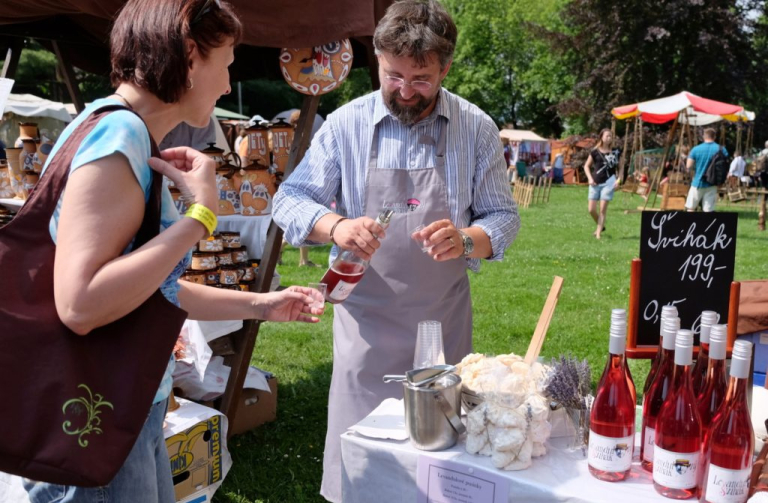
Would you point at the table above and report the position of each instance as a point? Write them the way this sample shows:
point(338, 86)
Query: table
point(376, 470)
point(253, 231)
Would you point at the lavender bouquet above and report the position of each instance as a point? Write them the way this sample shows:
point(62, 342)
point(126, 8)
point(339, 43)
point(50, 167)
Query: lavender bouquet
point(569, 385)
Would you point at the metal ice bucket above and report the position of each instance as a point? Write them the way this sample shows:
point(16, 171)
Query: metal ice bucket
point(432, 413)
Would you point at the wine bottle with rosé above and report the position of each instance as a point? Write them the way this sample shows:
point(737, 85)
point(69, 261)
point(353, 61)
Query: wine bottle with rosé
point(654, 399)
point(612, 419)
point(347, 269)
point(729, 442)
point(619, 317)
point(677, 449)
point(666, 312)
point(699, 372)
point(713, 392)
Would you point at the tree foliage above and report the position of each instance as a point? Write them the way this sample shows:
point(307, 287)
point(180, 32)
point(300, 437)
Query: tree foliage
point(500, 66)
point(635, 50)
point(554, 66)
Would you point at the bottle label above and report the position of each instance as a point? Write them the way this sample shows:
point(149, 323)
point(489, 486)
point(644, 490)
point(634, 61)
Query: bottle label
point(727, 486)
point(610, 454)
point(342, 290)
point(675, 470)
point(650, 436)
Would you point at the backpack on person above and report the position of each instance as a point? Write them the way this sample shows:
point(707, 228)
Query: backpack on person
point(717, 171)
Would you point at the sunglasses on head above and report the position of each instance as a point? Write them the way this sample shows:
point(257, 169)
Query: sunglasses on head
point(205, 9)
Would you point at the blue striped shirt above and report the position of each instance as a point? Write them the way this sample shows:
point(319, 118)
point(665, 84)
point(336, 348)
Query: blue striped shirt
point(335, 166)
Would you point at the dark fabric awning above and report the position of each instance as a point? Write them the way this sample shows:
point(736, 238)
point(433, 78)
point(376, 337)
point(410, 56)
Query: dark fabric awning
point(82, 28)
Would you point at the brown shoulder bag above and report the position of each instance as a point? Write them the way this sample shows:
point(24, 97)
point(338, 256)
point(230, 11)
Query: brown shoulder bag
point(73, 405)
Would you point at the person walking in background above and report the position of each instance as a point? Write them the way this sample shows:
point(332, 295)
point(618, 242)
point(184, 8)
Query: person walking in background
point(435, 160)
point(241, 137)
point(170, 62)
point(736, 170)
point(508, 159)
point(600, 169)
point(557, 168)
point(701, 192)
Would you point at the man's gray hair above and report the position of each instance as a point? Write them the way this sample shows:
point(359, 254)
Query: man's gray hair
point(415, 29)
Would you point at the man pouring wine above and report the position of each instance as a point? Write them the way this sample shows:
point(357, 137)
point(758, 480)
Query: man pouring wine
point(432, 158)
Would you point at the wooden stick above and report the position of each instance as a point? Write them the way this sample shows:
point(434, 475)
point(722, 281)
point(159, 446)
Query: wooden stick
point(733, 314)
point(534, 348)
point(633, 316)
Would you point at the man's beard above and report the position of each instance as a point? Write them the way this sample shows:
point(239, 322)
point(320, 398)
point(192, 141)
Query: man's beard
point(407, 114)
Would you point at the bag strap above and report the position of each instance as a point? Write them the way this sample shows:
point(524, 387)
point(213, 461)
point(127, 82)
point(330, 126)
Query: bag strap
point(44, 198)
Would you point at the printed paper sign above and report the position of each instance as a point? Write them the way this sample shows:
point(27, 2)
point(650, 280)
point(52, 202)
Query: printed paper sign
point(5, 90)
point(443, 481)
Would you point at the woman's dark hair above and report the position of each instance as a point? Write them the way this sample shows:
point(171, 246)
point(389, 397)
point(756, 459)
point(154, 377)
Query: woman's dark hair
point(416, 28)
point(148, 41)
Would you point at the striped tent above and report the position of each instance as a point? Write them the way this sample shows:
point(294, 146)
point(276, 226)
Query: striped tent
point(691, 109)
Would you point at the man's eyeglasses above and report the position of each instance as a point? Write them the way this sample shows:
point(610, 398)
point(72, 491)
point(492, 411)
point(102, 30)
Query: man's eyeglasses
point(417, 85)
point(205, 9)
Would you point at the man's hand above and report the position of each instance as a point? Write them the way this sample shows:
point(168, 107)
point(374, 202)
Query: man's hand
point(443, 240)
point(360, 235)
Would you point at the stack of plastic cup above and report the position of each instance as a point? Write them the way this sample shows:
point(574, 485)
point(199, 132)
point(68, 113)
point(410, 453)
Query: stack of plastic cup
point(429, 345)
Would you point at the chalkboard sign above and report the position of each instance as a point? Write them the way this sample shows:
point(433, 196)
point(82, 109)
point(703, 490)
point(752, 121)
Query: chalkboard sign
point(687, 261)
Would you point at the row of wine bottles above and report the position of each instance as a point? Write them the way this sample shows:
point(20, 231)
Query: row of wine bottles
point(697, 435)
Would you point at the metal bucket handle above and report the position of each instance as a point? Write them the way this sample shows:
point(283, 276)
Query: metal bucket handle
point(450, 414)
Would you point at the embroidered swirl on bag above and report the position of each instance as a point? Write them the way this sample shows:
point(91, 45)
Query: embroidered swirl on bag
point(85, 404)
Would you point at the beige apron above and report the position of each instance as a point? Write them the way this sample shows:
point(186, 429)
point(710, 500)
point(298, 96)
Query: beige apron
point(374, 330)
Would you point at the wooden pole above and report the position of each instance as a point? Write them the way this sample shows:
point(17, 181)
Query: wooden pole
point(623, 161)
point(69, 77)
point(633, 316)
point(244, 340)
point(534, 347)
point(657, 175)
point(733, 314)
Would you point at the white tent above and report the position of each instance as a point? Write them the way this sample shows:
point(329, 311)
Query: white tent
point(51, 117)
point(29, 105)
point(521, 135)
point(526, 145)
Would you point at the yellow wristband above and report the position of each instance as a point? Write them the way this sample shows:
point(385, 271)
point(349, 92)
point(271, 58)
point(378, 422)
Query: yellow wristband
point(202, 215)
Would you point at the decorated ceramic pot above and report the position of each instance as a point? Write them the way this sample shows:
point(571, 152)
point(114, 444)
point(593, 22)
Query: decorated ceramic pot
point(317, 70)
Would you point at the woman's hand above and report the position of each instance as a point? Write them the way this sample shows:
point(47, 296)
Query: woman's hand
point(360, 235)
point(591, 181)
point(193, 173)
point(291, 304)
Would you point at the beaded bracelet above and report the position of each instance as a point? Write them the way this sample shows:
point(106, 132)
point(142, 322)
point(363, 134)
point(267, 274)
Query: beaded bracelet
point(203, 215)
point(337, 222)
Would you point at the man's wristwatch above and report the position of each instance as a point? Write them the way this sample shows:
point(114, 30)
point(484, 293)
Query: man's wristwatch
point(469, 245)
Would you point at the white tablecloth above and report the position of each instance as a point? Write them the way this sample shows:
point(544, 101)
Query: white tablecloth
point(376, 470)
point(253, 231)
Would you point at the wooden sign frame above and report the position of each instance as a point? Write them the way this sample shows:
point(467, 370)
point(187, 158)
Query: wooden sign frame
point(646, 351)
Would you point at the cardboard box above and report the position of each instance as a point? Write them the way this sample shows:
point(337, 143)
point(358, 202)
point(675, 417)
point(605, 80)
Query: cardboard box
point(196, 438)
point(256, 407)
point(760, 340)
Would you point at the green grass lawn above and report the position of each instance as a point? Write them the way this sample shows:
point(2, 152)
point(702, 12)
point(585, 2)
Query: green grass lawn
point(282, 461)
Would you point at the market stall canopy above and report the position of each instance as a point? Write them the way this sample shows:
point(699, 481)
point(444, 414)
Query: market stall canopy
point(221, 113)
point(81, 27)
point(692, 109)
point(521, 135)
point(29, 105)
